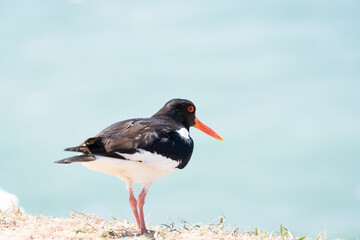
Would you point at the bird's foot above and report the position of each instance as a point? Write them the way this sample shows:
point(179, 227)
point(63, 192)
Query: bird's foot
point(144, 231)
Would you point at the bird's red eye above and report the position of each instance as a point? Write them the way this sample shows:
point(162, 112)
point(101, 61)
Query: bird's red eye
point(191, 109)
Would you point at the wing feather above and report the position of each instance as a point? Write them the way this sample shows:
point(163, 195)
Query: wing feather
point(124, 137)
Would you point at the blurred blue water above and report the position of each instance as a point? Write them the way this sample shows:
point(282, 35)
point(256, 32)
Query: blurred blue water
point(278, 80)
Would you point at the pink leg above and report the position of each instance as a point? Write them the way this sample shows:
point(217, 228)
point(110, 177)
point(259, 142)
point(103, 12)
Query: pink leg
point(140, 205)
point(133, 205)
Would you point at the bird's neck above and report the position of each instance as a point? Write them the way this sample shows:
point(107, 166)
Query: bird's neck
point(182, 123)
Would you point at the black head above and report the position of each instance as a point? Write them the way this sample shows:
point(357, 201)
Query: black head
point(183, 111)
point(179, 110)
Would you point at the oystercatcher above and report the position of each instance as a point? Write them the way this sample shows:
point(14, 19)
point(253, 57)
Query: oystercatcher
point(143, 150)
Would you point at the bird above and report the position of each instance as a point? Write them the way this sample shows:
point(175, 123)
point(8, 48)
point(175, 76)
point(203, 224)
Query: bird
point(142, 150)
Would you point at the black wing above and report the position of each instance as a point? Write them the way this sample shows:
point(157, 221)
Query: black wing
point(153, 135)
point(122, 130)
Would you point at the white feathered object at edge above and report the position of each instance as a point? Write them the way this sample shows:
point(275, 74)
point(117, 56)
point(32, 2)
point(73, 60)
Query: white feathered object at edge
point(8, 201)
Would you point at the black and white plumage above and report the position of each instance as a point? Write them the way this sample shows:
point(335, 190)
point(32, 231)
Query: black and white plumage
point(143, 149)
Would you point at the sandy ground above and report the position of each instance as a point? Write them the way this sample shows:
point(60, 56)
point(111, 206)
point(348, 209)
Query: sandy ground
point(16, 225)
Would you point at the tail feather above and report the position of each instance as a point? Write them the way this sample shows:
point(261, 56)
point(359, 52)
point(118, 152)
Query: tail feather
point(80, 158)
point(80, 148)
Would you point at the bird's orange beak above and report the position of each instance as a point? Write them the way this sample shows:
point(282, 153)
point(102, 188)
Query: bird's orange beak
point(202, 127)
